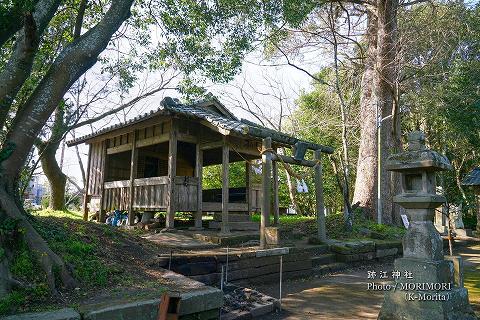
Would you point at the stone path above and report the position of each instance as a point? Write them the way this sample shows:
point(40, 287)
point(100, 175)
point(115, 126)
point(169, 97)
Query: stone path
point(179, 241)
point(345, 295)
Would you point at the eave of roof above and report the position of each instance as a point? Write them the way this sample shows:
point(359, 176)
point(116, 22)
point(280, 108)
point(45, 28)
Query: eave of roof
point(473, 178)
point(226, 125)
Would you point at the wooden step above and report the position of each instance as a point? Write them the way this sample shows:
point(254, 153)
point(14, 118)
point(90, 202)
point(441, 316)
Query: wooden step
point(238, 226)
point(323, 259)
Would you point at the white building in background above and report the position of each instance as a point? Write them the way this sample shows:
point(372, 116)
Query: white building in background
point(36, 190)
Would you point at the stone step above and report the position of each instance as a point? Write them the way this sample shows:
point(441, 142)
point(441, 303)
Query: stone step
point(329, 268)
point(237, 226)
point(323, 259)
point(317, 249)
point(232, 217)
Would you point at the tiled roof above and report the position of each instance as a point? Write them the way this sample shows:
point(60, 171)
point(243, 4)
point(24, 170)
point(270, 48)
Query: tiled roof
point(473, 178)
point(227, 122)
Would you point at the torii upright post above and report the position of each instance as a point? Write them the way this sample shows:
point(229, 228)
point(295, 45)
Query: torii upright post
point(322, 235)
point(266, 188)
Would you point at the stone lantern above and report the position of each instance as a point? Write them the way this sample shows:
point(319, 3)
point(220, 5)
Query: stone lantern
point(429, 286)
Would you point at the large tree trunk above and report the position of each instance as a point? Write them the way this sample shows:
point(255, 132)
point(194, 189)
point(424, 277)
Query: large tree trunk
point(19, 66)
point(367, 154)
point(56, 178)
point(379, 90)
point(71, 63)
point(385, 89)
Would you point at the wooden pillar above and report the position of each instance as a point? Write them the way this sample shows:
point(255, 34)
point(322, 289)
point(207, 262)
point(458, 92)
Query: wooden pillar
point(248, 186)
point(225, 228)
point(86, 198)
point(133, 175)
point(320, 208)
point(198, 175)
point(102, 216)
point(172, 172)
point(276, 208)
point(477, 202)
point(266, 188)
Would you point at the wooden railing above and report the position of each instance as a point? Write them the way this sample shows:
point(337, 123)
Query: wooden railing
point(151, 194)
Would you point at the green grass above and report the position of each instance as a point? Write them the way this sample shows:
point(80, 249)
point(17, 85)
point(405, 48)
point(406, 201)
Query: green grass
point(472, 283)
point(68, 236)
point(306, 226)
point(57, 214)
point(71, 239)
point(287, 219)
point(11, 302)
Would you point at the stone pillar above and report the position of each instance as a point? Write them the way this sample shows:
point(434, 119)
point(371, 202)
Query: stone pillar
point(423, 258)
point(441, 221)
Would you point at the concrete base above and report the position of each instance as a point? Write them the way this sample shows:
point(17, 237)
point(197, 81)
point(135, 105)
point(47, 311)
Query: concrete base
point(427, 305)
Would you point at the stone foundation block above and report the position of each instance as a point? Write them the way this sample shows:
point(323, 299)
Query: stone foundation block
point(272, 236)
point(353, 247)
point(381, 253)
point(356, 257)
point(457, 269)
point(140, 310)
point(63, 314)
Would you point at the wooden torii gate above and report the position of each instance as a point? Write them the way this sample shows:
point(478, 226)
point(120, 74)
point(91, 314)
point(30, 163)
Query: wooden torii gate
point(269, 162)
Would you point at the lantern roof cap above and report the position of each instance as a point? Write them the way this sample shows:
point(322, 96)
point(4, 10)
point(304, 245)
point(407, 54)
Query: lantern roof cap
point(417, 157)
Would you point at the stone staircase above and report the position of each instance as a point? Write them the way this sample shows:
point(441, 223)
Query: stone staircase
point(337, 256)
point(323, 260)
point(236, 222)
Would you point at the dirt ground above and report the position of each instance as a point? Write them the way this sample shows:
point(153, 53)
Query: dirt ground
point(345, 296)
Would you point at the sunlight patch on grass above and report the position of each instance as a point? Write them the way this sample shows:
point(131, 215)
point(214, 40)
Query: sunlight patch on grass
point(57, 213)
point(472, 283)
point(287, 219)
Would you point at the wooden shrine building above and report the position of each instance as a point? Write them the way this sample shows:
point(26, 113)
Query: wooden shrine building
point(154, 162)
